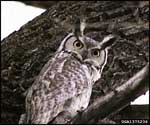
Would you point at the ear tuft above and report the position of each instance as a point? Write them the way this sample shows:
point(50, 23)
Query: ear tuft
point(108, 41)
point(82, 27)
point(79, 27)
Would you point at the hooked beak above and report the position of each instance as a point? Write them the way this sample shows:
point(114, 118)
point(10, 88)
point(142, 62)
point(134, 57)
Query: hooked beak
point(84, 54)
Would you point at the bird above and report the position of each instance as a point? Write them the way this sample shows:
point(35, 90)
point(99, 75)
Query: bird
point(64, 85)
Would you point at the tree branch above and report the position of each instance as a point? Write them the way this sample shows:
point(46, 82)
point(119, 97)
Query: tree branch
point(112, 102)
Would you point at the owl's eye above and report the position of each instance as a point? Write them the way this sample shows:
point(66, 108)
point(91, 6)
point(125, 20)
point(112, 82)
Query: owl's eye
point(78, 44)
point(96, 52)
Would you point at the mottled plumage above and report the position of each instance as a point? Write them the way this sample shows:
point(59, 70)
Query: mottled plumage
point(64, 85)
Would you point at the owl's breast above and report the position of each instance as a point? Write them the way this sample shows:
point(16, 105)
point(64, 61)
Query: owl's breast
point(67, 70)
point(74, 77)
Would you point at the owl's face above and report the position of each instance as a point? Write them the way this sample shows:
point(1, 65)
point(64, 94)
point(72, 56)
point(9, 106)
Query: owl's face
point(87, 49)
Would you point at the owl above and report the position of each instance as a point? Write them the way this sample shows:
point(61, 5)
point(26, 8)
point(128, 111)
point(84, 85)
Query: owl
point(64, 86)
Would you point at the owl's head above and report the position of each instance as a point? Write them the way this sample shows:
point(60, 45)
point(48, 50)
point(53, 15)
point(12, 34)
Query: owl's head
point(87, 49)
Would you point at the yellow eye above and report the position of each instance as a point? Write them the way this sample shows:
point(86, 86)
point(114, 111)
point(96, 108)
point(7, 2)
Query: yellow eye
point(78, 44)
point(96, 52)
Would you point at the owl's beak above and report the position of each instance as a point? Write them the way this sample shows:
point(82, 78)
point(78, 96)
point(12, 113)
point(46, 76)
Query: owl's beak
point(84, 54)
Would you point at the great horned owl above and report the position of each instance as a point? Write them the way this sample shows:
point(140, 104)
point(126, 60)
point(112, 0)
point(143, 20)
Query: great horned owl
point(64, 85)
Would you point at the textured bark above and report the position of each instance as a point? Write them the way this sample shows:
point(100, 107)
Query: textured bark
point(24, 52)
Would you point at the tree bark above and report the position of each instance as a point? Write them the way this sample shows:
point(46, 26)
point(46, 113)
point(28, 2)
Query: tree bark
point(24, 52)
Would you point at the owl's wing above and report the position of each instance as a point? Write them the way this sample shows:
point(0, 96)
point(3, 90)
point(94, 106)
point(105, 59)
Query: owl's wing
point(47, 97)
point(46, 104)
point(30, 107)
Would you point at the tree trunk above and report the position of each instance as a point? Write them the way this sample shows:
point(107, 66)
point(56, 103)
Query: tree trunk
point(24, 52)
